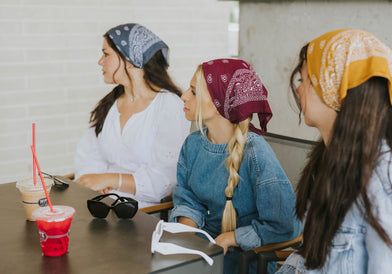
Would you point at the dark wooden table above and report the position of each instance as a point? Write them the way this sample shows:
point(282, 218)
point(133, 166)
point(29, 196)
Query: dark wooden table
point(96, 246)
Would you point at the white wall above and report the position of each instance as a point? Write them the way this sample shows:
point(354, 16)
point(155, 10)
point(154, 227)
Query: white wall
point(271, 35)
point(49, 73)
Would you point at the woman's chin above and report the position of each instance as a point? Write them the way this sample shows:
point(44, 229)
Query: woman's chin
point(189, 117)
point(107, 81)
point(309, 122)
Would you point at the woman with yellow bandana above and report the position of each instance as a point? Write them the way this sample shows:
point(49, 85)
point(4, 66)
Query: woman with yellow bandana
point(345, 192)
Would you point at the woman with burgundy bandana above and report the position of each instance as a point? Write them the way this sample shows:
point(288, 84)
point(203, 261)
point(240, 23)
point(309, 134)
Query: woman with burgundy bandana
point(229, 182)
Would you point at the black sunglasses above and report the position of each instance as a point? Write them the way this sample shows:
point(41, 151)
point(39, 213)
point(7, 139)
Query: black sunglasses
point(59, 182)
point(124, 207)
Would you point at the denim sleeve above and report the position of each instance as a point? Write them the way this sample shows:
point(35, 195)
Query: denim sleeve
point(380, 193)
point(294, 264)
point(276, 221)
point(275, 203)
point(186, 204)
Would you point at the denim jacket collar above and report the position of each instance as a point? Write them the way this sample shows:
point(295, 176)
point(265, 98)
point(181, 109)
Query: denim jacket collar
point(211, 147)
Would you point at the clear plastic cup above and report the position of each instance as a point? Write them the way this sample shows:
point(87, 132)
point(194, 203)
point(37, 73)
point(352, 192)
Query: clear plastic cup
point(53, 229)
point(33, 197)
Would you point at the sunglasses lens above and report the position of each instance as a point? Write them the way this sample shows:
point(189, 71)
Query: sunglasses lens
point(125, 210)
point(98, 209)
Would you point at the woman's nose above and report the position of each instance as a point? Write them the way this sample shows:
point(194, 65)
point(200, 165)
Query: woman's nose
point(100, 61)
point(184, 95)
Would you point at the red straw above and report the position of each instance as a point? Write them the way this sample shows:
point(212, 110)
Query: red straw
point(33, 144)
point(42, 179)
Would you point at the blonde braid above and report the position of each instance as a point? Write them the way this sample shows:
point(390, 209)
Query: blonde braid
point(236, 149)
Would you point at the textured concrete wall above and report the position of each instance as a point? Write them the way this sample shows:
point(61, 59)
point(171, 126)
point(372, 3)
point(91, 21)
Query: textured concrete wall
point(271, 35)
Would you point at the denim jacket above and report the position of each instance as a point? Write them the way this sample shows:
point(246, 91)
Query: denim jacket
point(356, 247)
point(264, 199)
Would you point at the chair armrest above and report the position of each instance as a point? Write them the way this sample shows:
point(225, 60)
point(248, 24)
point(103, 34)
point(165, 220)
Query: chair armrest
point(279, 246)
point(158, 208)
point(267, 253)
point(283, 254)
point(162, 208)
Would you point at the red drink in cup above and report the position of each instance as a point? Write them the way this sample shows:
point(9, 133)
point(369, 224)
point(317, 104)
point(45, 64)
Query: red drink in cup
point(53, 228)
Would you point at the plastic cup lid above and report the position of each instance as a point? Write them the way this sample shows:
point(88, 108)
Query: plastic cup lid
point(60, 213)
point(28, 184)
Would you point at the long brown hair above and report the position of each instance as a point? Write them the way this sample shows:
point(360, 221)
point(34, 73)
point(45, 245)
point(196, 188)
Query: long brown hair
point(336, 177)
point(155, 75)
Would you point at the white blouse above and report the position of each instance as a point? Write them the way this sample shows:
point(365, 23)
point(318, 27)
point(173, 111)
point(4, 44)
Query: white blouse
point(148, 147)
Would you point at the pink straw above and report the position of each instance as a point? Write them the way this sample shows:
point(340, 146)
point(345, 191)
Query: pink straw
point(33, 144)
point(42, 179)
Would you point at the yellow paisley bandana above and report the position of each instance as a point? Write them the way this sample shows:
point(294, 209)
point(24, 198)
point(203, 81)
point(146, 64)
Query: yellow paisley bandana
point(343, 59)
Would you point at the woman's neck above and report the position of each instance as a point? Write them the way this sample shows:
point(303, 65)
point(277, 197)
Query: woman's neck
point(326, 126)
point(220, 130)
point(135, 93)
point(137, 88)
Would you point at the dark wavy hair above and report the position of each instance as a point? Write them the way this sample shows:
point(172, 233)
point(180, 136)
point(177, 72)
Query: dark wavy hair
point(337, 176)
point(155, 75)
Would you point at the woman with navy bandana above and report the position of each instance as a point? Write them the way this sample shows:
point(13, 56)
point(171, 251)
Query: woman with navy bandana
point(136, 131)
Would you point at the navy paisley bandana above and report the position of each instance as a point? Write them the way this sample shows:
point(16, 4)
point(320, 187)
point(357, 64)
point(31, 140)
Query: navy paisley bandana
point(137, 43)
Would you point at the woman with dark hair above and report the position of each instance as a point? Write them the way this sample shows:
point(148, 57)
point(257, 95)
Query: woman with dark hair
point(345, 191)
point(138, 128)
point(230, 182)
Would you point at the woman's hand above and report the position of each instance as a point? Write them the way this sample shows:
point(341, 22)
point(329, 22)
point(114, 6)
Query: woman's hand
point(225, 240)
point(103, 183)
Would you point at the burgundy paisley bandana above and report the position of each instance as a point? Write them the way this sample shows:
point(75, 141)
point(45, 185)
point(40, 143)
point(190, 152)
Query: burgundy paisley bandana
point(237, 91)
